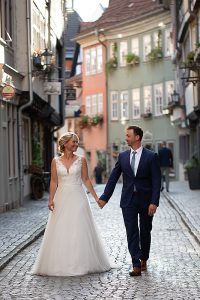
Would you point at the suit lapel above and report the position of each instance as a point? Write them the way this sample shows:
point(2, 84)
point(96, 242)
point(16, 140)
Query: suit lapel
point(141, 162)
point(127, 162)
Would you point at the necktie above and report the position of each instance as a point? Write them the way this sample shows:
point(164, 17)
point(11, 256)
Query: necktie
point(133, 162)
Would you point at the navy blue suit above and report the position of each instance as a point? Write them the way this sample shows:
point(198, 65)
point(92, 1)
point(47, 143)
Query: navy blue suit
point(137, 193)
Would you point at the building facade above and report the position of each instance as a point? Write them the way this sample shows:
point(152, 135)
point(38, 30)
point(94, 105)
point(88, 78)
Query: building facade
point(185, 112)
point(31, 63)
point(138, 72)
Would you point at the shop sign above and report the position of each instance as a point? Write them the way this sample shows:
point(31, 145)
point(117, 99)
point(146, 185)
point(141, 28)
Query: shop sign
point(70, 94)
point(8, 91)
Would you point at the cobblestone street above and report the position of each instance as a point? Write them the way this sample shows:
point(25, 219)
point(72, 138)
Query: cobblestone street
point(173, 267)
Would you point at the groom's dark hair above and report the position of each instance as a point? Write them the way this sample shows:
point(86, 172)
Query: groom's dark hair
point(137, 130)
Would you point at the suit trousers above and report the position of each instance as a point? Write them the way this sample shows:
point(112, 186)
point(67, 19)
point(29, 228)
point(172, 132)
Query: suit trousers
point(138, 233)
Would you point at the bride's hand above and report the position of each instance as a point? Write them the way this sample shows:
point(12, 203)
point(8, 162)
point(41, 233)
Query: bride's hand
point(51, 206)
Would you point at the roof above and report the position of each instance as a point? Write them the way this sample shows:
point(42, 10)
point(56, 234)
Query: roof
point(73, 28)
point(120, 11)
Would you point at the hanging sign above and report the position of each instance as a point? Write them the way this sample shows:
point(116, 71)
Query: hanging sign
point(70, 94)
point(8, 91)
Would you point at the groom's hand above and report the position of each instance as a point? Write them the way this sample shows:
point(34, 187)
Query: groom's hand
point(101, 203)
point(152, 209)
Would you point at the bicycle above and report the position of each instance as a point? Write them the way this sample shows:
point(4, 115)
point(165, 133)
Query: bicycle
point(40, 183)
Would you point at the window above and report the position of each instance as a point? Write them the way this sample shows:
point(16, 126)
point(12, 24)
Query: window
point(169, 88)
point(6, 25)
point(158, 99)
point(146, 45)
point(123, 53)
point(124, 105)
point(88, 105)
point(99, 59)
point(100, 104)
point(157, 39)
point(135, 46)
point(147, 99)
point(87, 62)
point(38, 29)
point(93, 60)
point(136, 103)
point(114, 106)
point(94, 105)
point(168, 42)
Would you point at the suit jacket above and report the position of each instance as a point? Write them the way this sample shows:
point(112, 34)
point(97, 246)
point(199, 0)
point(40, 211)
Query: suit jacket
point(147, 180)
point(165, 157)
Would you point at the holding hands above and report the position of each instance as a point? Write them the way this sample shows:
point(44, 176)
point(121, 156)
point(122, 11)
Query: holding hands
point(101, 203)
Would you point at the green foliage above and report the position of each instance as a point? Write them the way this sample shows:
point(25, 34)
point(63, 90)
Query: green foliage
point(36, 154)
point(192, 163)
point(132, 58)
point(190, 57)
point(155, 54)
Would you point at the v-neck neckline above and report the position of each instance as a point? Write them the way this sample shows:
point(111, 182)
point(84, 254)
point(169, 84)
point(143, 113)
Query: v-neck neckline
point(66, 166)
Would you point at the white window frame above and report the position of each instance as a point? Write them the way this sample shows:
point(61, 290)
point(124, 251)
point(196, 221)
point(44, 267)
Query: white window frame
point(135, 46)
point(123, 50)
point(168, 42)
point(114, 96)
point(87, 61)
point(146, 46)
point(158, 99)
point(100, 104)
point(88, 105)
point(169, 88)
point(136, 103)
point(93, 60)
point(147, 95)
point(124, 104)
point(94, 105)
point(99, 59)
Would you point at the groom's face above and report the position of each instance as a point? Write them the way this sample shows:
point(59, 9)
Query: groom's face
point(131, 138)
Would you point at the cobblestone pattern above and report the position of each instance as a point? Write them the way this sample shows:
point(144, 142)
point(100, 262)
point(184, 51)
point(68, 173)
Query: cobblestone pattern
point(187, 202)
point(20, 226)
point(173, 270)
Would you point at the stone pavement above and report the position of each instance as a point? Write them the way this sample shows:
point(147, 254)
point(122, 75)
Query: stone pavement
point(174, 263)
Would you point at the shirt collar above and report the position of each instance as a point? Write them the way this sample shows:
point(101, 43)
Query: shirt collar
point(137, 150)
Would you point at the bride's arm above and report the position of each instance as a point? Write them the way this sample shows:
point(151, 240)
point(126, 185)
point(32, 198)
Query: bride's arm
point(86, 180)
point(53, 184)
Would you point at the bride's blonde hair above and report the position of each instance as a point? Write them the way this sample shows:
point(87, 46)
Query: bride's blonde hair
point(65, 138)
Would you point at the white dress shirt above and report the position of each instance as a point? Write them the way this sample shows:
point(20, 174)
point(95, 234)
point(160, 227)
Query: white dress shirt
point(137, 158)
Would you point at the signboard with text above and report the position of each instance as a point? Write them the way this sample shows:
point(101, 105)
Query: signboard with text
point(71, 94)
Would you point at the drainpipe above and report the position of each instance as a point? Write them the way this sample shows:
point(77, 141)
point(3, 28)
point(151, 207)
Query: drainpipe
point(107, 131)
point(20, 122)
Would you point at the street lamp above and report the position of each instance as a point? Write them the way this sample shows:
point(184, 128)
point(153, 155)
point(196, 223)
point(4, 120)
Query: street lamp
point(175, 97)
point(47, 56)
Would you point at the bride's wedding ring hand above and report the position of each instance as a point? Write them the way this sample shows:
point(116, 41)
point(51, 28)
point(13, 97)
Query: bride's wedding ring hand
point(51, 206)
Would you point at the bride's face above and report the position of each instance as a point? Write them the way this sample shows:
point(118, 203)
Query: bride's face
point(72, 145)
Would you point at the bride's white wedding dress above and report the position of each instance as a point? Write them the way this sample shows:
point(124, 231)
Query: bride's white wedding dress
point(71, 244)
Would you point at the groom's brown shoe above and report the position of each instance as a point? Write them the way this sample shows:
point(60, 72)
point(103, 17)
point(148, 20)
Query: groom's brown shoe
point(135, 272)
point(143, 265)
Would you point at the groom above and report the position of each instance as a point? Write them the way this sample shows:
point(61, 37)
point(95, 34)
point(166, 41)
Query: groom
point(140, 195)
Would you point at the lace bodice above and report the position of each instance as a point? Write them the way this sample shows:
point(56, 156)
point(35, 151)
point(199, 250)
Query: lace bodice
point(71, 175)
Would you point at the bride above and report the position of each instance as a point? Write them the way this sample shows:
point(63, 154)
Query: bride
point(71, 244)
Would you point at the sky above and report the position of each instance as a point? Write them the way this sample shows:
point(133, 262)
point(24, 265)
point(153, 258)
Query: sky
point(85, 8)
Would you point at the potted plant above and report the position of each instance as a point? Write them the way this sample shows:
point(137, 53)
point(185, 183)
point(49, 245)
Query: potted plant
point(132, 59)
point(190, 57)
point(85, 122)
point(193, 171)
point(155, 54)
